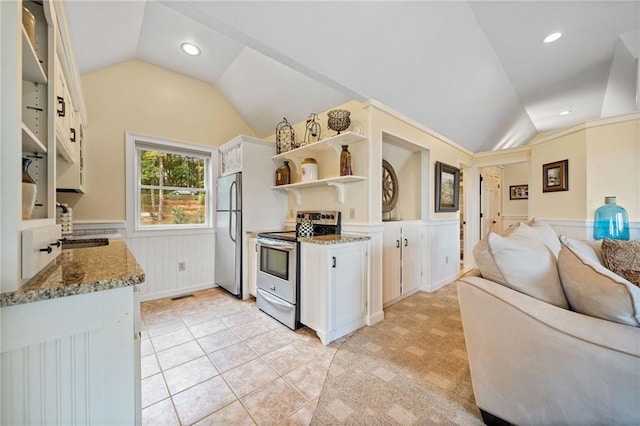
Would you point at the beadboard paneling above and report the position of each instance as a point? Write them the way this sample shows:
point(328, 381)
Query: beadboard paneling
point(159, 256)
point(441, 258)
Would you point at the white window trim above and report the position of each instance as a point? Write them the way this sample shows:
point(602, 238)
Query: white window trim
point(131, 183)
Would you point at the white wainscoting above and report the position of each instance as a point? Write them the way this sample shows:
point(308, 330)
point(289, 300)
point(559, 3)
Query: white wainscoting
point(440, 253)
point(507, 221)
point(159, 256)
point(583, 229)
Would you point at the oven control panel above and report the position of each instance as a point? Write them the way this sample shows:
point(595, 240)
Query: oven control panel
point(327, 217)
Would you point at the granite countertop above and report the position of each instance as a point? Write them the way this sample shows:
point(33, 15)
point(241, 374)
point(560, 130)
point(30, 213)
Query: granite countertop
point(334, 239)
point(80, 271)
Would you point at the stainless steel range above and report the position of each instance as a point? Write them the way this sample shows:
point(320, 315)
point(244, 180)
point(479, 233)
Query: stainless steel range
point(278, 277)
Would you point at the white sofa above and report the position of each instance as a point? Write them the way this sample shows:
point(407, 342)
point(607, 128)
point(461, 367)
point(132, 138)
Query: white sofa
point(533, 363)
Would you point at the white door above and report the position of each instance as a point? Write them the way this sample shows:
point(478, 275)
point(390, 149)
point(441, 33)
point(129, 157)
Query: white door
point(490, 201)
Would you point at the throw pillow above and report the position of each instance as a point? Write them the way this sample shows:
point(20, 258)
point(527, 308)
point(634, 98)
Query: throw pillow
point(623, 258)
point(594, 290)
point(590, 249)
point(548, 235)
point(523, 262)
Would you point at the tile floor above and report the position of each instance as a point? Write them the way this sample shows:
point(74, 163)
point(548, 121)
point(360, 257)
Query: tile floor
point(212, 359)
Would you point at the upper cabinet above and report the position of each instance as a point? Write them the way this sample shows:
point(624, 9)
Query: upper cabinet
point(30, 36)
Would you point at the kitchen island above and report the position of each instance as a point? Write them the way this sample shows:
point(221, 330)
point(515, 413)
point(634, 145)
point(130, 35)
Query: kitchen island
point(71, 341)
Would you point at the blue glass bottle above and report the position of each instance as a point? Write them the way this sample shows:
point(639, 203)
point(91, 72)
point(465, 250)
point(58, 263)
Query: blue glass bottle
point(611, 221)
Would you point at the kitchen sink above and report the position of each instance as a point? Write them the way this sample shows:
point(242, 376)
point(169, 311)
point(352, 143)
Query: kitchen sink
point(93, 242)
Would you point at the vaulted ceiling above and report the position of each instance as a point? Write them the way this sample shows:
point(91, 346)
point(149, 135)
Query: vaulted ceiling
point(476, 72)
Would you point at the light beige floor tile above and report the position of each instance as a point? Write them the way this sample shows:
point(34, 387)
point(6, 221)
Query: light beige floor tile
point(189, 374)
point(149, 366)
point(309, 378)
point(172, 339)
point(270, 341)
point(249, 377)
point(146, 348)
point(160, 414)
point(233, 414)
point(250, 329)
point(340, 410)
point(153, 390)
point(206, 328)
point(155, 328)
point(302, 417)
point(232, 356)
point(273, 402)
point(219, 340)
point(285, 359)
point(198, 318)
point(237, 318)
point(179, 355)
point(202, 400)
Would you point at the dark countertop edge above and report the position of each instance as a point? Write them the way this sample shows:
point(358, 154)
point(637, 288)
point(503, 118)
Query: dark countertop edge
point(20, 298)
point(344, 239)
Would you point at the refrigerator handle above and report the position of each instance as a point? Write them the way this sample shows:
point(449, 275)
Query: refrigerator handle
point(231, 206)
point(230, 234)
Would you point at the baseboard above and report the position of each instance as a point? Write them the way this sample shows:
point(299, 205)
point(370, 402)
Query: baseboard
point(175, 292)
point(439, 284)
point(375, 318)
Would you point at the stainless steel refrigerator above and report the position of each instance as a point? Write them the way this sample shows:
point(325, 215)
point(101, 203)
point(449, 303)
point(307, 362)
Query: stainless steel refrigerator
point(229, 233)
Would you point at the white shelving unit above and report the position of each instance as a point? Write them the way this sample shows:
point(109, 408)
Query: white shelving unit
point(31, 68)
point(333, 143)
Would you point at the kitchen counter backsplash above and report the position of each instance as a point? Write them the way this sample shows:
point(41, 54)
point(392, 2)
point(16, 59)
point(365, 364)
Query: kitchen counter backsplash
point(80, 271)
point(334, 239)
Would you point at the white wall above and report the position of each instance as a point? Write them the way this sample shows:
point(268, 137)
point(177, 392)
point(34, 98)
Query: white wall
point(407, 165)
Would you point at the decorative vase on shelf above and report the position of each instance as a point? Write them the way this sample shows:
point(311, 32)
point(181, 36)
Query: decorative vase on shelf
point(283, 174)
point(345, 161)
point(28, 190)
point(338, 120)
point(610, 221)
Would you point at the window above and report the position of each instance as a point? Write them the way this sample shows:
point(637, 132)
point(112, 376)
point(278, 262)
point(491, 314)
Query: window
point(168, 184)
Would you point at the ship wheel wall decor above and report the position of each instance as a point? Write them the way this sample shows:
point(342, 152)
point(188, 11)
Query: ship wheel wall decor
point(389, 187)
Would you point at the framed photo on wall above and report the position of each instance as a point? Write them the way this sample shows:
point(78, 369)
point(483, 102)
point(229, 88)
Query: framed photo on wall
point(555, 176)
point(519, 192)
point(447, 188)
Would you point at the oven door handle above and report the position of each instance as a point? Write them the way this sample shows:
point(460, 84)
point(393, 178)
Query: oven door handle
point(276, 245)
point(274, 300)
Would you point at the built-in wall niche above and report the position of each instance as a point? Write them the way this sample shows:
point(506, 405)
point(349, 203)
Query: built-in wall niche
point(406, 159)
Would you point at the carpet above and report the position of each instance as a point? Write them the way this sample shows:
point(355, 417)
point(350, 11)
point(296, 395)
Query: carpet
point(411, 368)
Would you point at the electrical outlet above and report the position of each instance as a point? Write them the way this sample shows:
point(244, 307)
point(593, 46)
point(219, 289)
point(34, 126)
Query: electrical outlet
point(352, 213)
point(447, 260)
point(181, 266)
point(290, 212)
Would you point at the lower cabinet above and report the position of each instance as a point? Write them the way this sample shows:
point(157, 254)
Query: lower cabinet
point(401, 260)
point(72, 360)
point(333, 288)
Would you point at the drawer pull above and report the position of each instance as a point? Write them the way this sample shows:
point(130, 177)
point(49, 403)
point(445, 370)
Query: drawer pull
point(47, 249)
point(56, 244)
point(61, 102)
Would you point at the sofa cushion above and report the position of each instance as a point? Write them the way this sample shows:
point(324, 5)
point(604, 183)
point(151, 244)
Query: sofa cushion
point(522, 262)
point(590, 249)
point(594, 290)
point(548, 235)
point(623, 258)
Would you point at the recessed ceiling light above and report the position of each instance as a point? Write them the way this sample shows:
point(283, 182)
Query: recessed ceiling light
point(565, 112)
point(552, 37)
point(190, 49)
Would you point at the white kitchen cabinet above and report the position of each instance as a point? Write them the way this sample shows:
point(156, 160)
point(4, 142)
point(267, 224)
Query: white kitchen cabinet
point(252, 265)
point(332, 177)
point(333, 288)
point(401, 260)
point(72, 360)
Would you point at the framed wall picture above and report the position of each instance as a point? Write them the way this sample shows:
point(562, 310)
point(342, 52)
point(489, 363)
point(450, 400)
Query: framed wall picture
point(519, 192)
point(555, 176)
point(447, 188)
